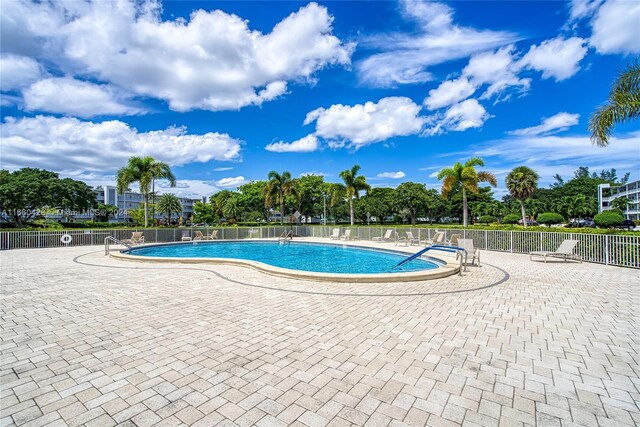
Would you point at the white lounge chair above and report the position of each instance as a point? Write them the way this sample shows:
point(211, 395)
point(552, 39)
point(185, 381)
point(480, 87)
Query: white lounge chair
point(472, 251)
point(453, 240)
point(400, 240)
point(186, 236)
point(199, 236)
point(335, 234)
point(212, 236)
point(136, 238)
point(565, 250)
point(411, 239)
point(385, 238)
point(437, 239)
point(346, 235)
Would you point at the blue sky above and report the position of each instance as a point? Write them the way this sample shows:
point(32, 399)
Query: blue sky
point(227, 91)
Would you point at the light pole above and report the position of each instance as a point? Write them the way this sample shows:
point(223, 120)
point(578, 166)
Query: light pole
point(324, 206)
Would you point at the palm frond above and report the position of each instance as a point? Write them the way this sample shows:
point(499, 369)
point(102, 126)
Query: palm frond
point(487, 177)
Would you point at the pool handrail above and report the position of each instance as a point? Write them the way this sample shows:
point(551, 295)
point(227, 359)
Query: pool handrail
point(113, 239)
point(454, 249)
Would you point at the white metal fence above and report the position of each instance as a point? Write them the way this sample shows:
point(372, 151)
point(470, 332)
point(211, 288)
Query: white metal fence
point(620, 250)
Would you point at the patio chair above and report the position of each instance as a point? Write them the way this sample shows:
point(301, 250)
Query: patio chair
point(437, 239)
point(335, 234)
point(411, 239)
point(346, 235)
point(565, 250)
point(385, 238)
point(199, 235)
point(186, 236)
point(472, 251)
point(212, 236)
point(136, 238)
point(401, 240)
point(453, 240)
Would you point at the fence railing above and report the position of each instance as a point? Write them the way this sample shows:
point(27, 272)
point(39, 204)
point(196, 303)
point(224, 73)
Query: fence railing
point(620, 250)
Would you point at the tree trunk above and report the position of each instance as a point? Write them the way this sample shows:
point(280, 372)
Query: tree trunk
point(524, 214)
point(282, 211)
point(351, 214)
point(146, 214)
point(464, 207)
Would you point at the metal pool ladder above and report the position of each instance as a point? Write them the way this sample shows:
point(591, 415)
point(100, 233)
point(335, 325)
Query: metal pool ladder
point(286, 235)
point(113, 239)
point(460, 252)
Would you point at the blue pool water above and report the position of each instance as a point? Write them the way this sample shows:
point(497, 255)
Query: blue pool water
point(322, 258)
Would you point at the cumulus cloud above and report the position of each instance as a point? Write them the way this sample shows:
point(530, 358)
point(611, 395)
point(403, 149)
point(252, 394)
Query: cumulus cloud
point(231, 182)
point(556, 123)
point(392, 175)
point(306, 144)
point(499, 70)
point(405, 57)
point(212, 60)
point(63, 144)
point(459, 117)
point(17, 71)
point(449, 92)
point(558, 58)
point(362, 124)
point(616, 28)
point(76, 98)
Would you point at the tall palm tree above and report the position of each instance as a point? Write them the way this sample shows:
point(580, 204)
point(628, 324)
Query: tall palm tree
point(169, 203)
point(353, 185)
point(278, 187)
point(144, 170)
point(465, 177)
point(622, 106)
point(522, 182)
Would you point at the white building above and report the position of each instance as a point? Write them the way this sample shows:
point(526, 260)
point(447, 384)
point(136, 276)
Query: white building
point(608, 193)
point(131, 200)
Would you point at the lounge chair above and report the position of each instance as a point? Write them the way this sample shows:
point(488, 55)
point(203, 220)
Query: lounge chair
point(400, 240)
point(453, 240)
point(472, 251)
point(186, 236)
point(411, 239)
point(335, 234)
point(136, 238)
point(385, 238)
point(565, 250)
point(212, 236)
point(346, 235)
point(437, 239)
point(199, 235)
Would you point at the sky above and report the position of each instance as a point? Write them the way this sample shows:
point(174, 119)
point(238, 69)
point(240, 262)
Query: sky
point(227, 91)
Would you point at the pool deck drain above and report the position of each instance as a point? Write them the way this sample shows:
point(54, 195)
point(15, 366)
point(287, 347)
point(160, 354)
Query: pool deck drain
point(101, 342)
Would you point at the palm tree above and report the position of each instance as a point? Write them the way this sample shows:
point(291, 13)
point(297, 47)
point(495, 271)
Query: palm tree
point(278, 187)
point(622, 106)
point(466, 177)
point(169, 203)
point(620, 203)
point(144, 170)
point(522, 182)
point(353, 185)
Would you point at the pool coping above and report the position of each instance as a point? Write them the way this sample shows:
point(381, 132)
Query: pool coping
point(445, 268)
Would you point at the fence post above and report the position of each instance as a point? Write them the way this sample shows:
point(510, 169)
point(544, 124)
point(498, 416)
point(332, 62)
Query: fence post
point(606, 249)
point(511, 243)
point(486, 239)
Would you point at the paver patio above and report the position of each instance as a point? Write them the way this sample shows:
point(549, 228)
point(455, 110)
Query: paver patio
point(89, 340)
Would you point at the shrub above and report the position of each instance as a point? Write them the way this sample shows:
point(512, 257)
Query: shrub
point(549, 218)
point(486, 219)
point(511, 219)
point(609, 218)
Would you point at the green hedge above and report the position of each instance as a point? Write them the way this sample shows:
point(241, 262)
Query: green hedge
point(609, 218)
point(550, 218)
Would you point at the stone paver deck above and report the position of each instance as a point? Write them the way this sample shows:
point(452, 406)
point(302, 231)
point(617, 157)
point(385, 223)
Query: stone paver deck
point(88, 340)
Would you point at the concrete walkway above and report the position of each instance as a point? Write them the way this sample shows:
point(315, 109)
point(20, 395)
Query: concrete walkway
point(89, 340)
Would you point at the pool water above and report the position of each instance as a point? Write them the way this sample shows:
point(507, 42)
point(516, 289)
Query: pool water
point(322, 258)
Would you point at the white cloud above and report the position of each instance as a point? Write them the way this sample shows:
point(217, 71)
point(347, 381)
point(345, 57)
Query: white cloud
point(556, 123)
point(222, 169)
point(76, 98)
point(583, 8)
point(405, 57)
point(305, 144)
point(616, 27)
point(64, 144)
point(498, 70)
point(557, 58)
point(212, 60)
point(392, 175)
point(314, 173)
point(17, 71)
point(231, 182)
point(363, 124)
point(449, 92)
point(459, 117)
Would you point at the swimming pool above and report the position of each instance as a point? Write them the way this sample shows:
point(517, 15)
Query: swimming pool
point(310, 257)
